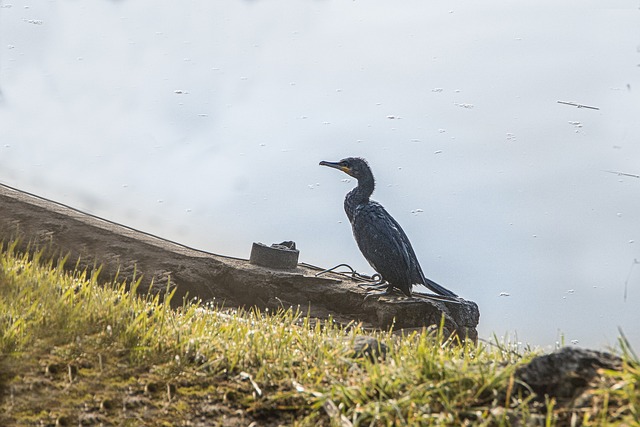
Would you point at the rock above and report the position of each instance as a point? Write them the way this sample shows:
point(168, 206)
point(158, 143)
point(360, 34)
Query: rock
point(365, 346)
point(567, 372)
point(126, 254)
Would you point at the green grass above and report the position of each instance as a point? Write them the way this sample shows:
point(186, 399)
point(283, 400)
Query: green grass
point(76, 351)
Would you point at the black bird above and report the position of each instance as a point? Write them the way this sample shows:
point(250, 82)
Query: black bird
point(380, 238)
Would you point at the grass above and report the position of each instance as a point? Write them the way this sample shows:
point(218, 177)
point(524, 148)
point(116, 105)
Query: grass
point(74, 351)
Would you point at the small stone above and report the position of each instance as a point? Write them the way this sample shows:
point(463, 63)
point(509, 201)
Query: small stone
point(369, 347)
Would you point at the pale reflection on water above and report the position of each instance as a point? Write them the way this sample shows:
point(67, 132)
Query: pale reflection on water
point(204, 123)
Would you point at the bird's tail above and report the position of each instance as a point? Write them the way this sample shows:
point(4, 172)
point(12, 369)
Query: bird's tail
point(440, 290)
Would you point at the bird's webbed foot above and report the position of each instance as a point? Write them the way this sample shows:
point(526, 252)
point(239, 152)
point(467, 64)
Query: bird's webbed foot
point(388, 291)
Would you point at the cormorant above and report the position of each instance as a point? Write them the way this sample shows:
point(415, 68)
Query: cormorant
point(380, 238)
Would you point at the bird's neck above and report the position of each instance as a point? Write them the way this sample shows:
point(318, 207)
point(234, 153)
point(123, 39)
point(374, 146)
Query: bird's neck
point(363, 191)
point(359, 195)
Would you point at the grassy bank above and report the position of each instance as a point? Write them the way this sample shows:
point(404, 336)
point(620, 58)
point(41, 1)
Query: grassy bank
point(75, 352)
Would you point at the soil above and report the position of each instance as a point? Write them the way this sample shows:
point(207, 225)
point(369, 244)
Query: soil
point(102, 386)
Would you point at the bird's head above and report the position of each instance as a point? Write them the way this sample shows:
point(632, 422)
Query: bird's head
point(353, 166)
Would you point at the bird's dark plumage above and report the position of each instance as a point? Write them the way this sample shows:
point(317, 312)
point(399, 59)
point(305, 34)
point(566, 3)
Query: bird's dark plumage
point(380, 238)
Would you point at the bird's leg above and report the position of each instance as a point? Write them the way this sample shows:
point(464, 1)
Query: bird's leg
point(389, 291)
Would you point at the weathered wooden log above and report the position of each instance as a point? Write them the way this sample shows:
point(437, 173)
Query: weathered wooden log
point(58, 230)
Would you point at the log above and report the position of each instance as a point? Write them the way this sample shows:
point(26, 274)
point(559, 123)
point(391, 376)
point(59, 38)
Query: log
point(38, 224)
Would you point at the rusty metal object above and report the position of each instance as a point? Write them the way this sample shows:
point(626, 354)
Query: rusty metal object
point(283, 256)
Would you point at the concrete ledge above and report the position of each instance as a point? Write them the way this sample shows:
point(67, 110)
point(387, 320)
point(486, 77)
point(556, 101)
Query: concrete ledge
point(58, 230)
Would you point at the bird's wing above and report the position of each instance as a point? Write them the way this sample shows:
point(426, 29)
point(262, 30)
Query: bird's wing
point(383, 243)
point(417, 276)
point(401, 244)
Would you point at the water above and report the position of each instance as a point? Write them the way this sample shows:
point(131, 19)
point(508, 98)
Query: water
point(204, 122)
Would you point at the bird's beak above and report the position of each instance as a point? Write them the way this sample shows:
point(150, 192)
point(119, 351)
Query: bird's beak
point(336, 165)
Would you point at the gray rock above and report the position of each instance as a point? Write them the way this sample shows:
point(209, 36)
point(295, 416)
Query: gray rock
point(567, 372)
point(369, 347)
